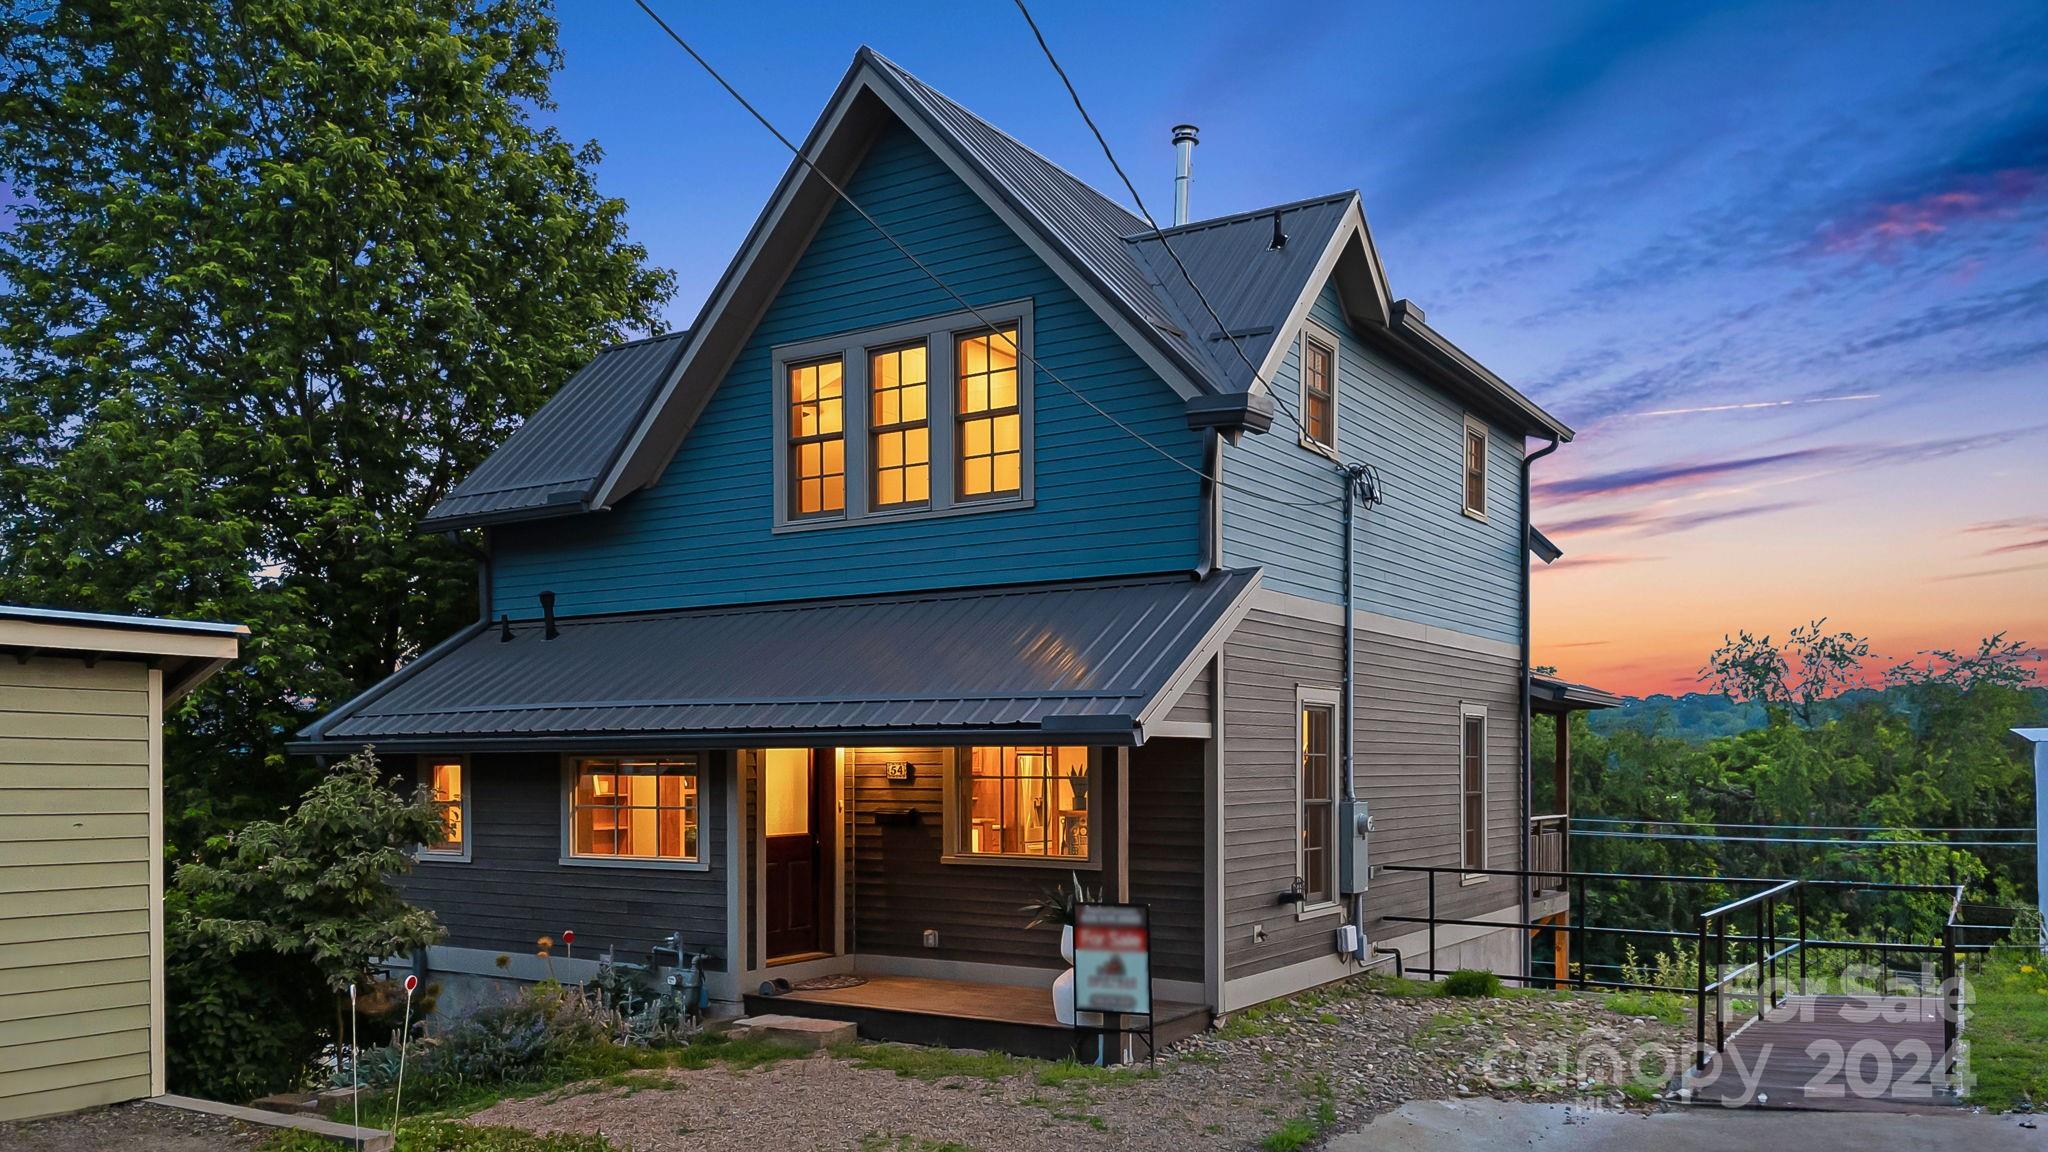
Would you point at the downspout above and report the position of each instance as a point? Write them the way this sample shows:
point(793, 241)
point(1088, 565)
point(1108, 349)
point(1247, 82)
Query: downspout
point(1211, 548)
point(1527, 794)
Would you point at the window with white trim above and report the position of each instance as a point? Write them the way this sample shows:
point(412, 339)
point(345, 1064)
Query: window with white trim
point(448, 791)
point(1472, 787)
point(1475, 468)
point(931, 417)
point(1319, 390)
point(635, 810)
point(1022, 804)
point(1315, 809)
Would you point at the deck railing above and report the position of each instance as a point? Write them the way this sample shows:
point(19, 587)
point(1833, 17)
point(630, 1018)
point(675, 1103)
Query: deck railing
point(1549, 853)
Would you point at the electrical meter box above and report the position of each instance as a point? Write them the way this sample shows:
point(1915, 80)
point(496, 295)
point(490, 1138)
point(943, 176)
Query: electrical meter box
point(1354, 829)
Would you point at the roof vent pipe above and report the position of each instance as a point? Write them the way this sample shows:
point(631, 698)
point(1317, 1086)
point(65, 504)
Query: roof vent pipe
point(1184, 141)
point(547, 613)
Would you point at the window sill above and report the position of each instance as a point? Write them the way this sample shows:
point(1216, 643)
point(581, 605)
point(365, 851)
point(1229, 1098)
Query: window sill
point(1471, 515)
point(1318, 911)
point(1068, 863)
point(1468, 881)
point(1320, 449)
point(423, 856)
point(635, 862)
point(899, 516)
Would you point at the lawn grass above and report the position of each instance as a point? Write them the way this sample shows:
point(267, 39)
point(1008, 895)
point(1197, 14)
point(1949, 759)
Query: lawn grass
point(2007, 1030)
point(1299, 1132)
point(1669, 1007)
point(449, 1136)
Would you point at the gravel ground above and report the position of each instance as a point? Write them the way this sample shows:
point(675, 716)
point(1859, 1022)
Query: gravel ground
point(1332, 1058)
point(129, 1128)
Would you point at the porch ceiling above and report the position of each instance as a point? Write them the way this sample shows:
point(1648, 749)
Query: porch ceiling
point(1085, 662)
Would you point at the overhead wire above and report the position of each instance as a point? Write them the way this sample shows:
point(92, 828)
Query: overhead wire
point(936, 279)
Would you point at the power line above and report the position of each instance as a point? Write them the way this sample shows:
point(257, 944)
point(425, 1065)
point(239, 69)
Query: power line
point(1822, 841)
point(948, 288)
point(1788, 827)
point(1157, 232)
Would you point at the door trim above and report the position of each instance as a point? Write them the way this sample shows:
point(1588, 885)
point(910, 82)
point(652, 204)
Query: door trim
point(832, 943)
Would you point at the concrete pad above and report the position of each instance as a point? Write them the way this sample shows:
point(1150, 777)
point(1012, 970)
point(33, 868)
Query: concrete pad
point(1491, 1125)
point(802, 1031)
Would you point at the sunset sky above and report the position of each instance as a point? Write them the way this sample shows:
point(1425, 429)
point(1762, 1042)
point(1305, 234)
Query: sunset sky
point(1784, 266)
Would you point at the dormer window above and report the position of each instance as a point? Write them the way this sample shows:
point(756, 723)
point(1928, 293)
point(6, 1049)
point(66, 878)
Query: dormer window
point(927, 418)
point(1318, 390)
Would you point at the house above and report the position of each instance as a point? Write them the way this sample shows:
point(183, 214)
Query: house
point(82, 700)
point(824, 636)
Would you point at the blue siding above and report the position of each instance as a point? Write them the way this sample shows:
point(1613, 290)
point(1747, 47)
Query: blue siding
point(1420, 557)
point(1105, 504)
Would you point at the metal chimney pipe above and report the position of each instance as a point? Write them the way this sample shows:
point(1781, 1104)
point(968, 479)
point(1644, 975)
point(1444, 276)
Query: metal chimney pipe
point(1184, 140)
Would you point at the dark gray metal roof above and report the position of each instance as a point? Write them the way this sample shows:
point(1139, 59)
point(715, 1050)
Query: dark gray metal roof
point(1092, 661)
point(1551, 695)
point(1252, 285)
point(552, 463)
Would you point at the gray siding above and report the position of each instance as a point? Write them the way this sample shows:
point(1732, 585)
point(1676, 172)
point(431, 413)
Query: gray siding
point(1166, 851)
point(1420, 558)
point(1407, 761)
point(901, 887)
point(1193, 706)
point(515, 889)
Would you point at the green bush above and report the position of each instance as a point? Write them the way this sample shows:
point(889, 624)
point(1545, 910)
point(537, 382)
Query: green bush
point(237, 1026)
point(1470, 982)
point(545, 1034)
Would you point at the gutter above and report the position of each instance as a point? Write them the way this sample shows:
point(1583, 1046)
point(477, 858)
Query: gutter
point(1526, 794)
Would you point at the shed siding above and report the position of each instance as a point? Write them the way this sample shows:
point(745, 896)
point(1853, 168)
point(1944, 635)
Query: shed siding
point(1409, 693)
point(75, 885)
point(515, 888)
point(1105, 503)
point(1419, 557)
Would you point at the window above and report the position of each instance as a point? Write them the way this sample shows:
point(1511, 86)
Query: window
point(1316, 797)
point(900, 426)
point(1472, 787)
point(444, 781)
point(817, 438)
point(1028, 803)
point(634, 810)
point(930, 417)
point(1475, 468)
point(1319, 390)
point(990, 430)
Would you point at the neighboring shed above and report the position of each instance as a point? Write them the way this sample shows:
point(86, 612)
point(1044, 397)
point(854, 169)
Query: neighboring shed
point(82, 698)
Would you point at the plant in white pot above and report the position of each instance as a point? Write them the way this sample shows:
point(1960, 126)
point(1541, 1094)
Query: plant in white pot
point(1056, 906)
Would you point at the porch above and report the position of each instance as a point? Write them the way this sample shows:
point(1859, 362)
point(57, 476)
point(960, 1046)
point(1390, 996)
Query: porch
point(1011, 1018)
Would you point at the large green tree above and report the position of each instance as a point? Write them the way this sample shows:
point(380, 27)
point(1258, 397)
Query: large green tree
point(274, 274)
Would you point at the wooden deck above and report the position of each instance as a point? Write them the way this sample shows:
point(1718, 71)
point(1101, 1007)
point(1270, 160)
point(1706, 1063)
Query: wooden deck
point(1832, 1053)
point(956, 1014)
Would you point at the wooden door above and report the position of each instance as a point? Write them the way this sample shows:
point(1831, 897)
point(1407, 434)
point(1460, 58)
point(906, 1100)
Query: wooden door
point(796, 791)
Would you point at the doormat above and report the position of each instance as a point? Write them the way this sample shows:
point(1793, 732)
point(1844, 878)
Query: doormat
point(828, 983)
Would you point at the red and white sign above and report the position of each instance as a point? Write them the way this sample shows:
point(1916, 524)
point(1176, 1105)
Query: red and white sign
point(1112, 959)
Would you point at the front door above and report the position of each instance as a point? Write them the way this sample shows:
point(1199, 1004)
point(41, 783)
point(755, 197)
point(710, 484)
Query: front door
point(796, 795)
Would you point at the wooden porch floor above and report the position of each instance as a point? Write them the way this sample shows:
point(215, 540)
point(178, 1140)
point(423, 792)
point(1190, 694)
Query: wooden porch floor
point(1833, 1053)
point(957, 1014)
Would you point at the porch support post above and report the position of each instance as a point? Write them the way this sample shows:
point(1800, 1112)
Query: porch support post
point(1561, 785)
point(1212, 845)
point(1119, 883)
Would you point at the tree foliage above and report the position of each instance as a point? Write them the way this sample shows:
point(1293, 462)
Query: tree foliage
point(275, 274)
point(1811, 666)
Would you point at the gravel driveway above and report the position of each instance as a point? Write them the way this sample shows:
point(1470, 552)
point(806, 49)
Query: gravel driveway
point(1324, 1061)
point(130, 1128)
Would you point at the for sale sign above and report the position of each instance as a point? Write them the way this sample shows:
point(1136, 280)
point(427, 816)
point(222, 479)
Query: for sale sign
point(1112, 959)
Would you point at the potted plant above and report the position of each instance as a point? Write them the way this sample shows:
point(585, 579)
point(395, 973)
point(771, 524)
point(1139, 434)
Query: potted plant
point(1056, 905)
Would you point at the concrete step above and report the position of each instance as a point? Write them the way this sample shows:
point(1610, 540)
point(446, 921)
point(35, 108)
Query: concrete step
point(802, 1031)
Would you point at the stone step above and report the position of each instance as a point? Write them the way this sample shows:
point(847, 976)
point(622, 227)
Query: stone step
point(802, 1031)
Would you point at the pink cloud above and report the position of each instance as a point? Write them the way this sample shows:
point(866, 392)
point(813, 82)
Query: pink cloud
point(1883, 228)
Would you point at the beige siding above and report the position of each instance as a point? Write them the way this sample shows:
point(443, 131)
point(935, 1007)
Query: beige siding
point(76, 878)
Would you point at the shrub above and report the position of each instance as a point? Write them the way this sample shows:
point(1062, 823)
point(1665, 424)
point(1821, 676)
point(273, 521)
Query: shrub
point(1470, 982)
point(546, 1033)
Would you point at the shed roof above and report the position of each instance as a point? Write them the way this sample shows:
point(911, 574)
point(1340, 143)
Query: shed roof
point(1092, 662)
point(188, 651)
point(1550, 695)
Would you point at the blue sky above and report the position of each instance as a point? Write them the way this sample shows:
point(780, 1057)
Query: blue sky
point(1784, 266)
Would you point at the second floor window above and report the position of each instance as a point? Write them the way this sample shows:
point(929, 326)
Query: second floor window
point(991, 424)
point(900, 425)
point(1318, 392)
point(1475, 468)
point(817, 438)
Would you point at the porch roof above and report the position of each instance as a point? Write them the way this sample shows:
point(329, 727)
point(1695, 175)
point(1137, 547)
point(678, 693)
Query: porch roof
point(1084, 662)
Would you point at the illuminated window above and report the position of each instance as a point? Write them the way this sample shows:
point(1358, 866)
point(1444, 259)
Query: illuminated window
point(635, 809)
point(1030, 802)
point(899, 425)
point(989, 422)
point(1472, 786)
point(1475, 468)
point(817, 438)
point(1319, 392)
point(1317, 814)
point(451, 803)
